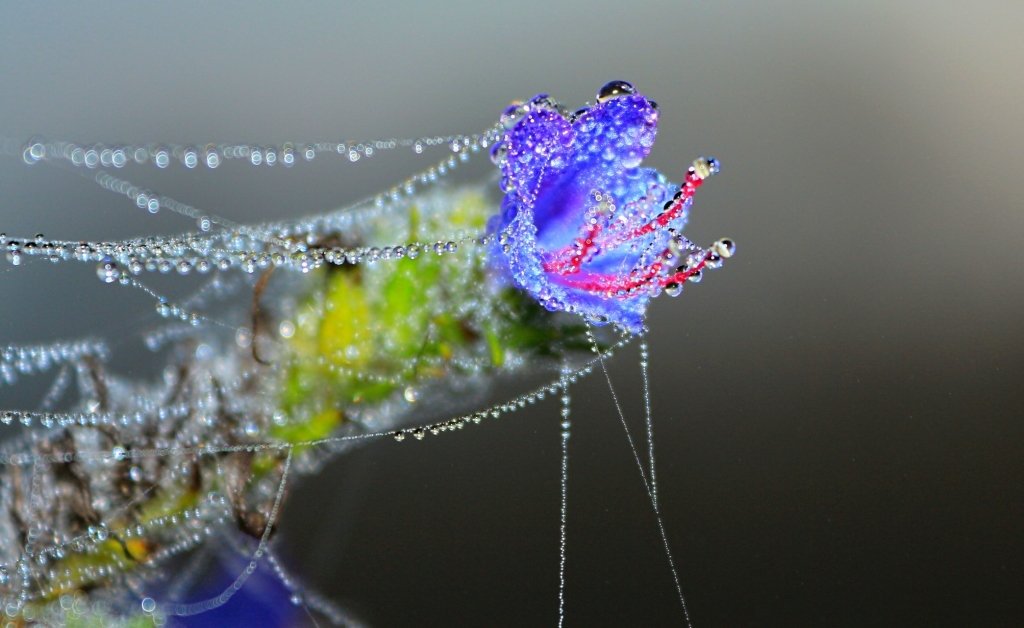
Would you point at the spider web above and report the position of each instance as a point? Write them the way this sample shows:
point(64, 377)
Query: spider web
point(116, 487)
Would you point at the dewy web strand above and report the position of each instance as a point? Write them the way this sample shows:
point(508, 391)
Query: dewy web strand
point(312, 335)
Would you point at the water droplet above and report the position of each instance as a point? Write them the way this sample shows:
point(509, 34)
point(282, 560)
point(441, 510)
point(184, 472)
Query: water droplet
point(499, 154)
point(34, 151)
point(212, 158)
point(108, 271)
point(161, 157)
point(614, 89)
point(286, 329)
point(97, 533)
point(675, 246)
point(190, 158)
point(725, 247)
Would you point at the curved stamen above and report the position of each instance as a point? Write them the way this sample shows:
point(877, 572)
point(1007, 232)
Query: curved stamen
point(599, 237)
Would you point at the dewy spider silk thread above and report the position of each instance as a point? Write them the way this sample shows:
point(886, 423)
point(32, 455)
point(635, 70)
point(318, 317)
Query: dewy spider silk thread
point(306, 337)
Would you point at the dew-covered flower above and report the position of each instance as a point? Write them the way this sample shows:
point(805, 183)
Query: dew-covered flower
point(583, 228)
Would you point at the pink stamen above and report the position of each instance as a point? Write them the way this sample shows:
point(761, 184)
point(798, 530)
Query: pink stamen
point(616, 284)
point(688, 188)
point(570, 259)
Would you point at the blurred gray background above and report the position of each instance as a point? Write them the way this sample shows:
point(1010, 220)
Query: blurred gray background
point(839, 409)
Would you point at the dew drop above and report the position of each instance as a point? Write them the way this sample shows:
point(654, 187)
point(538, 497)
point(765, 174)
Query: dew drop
point(725, 247)
point(212, 158)
point(499, 154)
point(108, 271)
point(97, 533)
point(614, 89)
point(162, 158)
point(34, 151)
point(286, 329)
point(190, 158)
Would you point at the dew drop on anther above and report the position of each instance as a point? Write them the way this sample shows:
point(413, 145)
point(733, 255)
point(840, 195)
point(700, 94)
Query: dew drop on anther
point(725, 247)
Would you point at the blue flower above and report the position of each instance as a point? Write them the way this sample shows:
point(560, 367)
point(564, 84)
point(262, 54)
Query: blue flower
point(583, 228)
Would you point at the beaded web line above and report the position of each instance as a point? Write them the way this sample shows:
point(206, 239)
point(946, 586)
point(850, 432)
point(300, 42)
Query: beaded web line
point(219, 247)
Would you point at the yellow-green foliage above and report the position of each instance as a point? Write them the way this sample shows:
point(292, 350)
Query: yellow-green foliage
point(366, 330)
